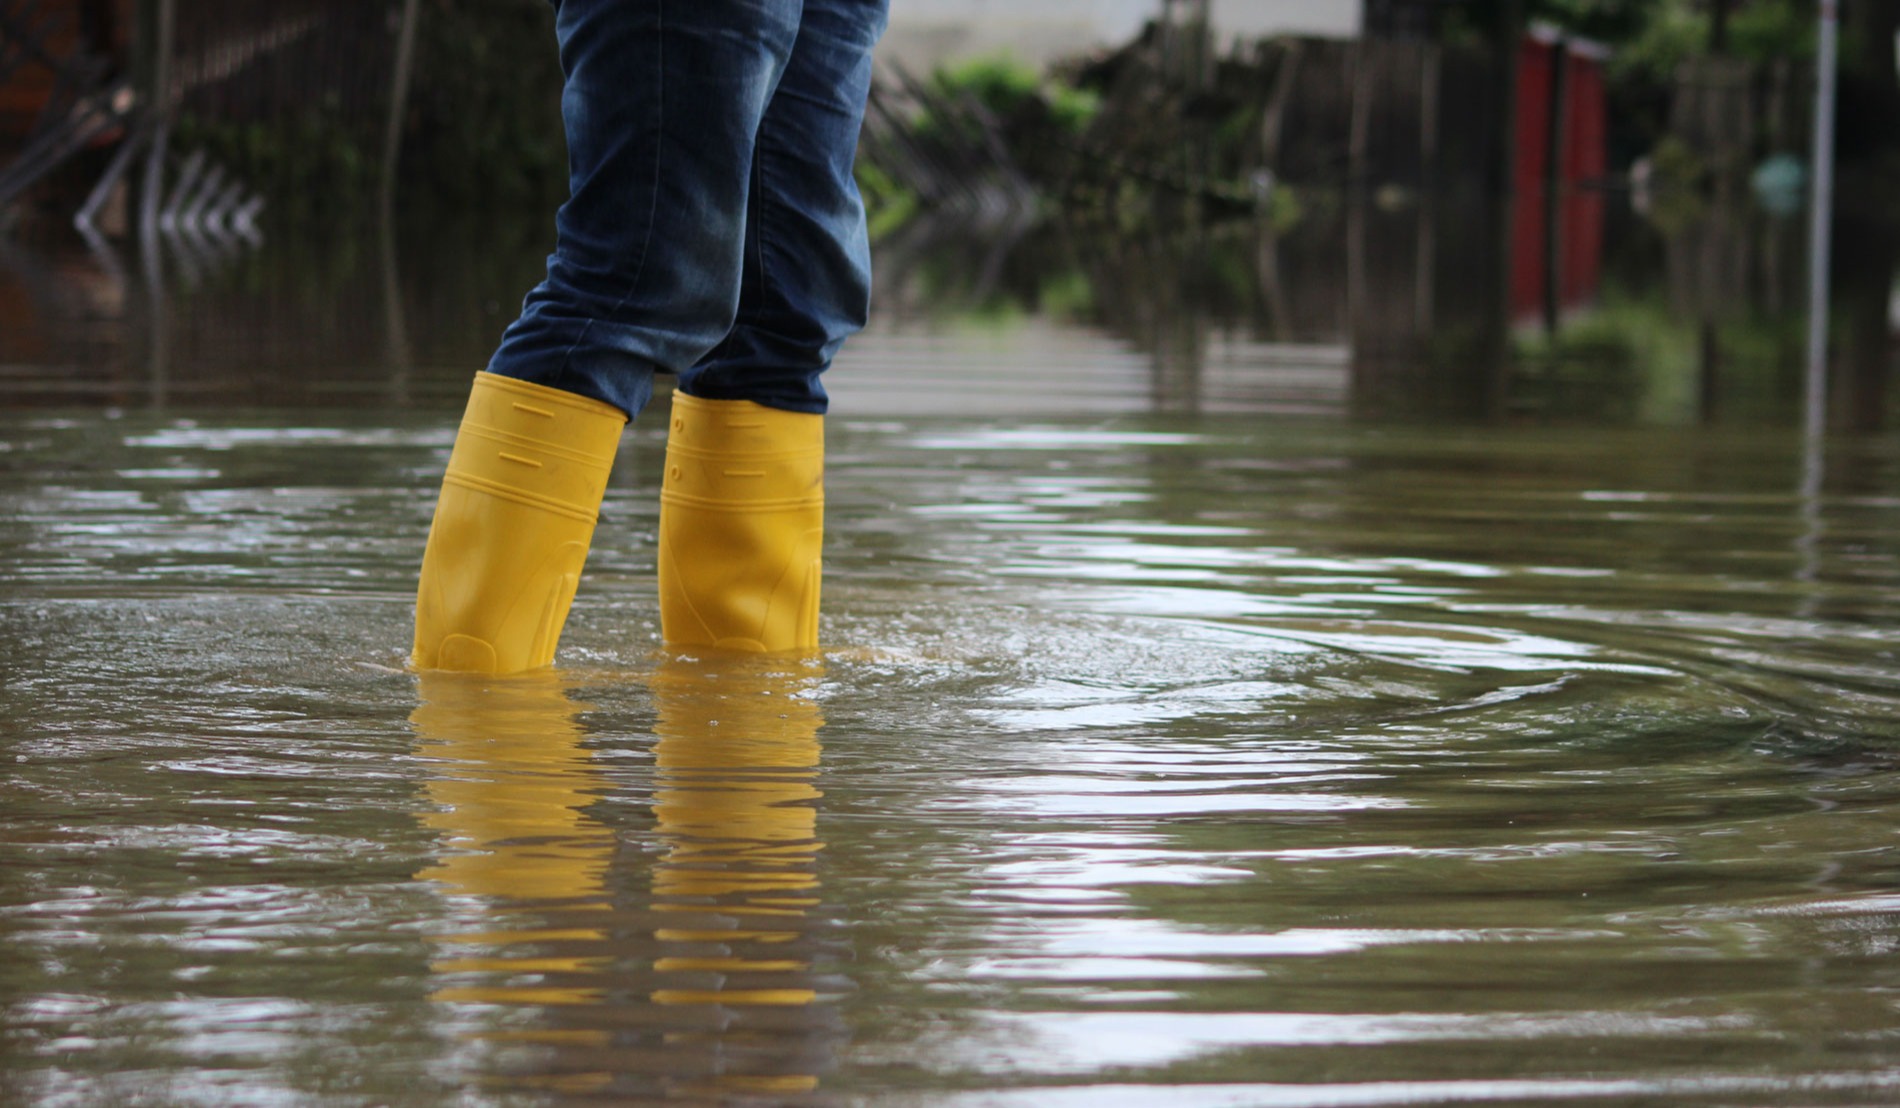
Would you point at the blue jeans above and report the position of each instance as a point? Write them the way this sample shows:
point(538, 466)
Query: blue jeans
point(713, 228)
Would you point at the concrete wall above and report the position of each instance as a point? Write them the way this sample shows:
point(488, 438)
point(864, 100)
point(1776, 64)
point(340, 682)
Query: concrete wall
point(925, 33)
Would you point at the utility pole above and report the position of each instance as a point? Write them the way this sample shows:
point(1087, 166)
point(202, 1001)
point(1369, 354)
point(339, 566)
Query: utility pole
point(1821, 214)
point(162, 26)
point(1814, 436)
point(398, 104)
point(1507, 35)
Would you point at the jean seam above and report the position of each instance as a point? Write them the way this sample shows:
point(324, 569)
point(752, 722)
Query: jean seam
point(653, 193)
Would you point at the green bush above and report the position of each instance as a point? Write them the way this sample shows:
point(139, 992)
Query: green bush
point(485, 109)
point(1008, 87)
point(314, 167)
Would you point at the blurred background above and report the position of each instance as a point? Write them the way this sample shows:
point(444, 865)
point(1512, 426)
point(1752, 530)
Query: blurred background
point(1340, 586)
point(1488, 210)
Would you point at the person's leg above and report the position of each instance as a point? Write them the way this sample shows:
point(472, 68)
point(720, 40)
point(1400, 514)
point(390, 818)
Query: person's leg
point(662, 106)
point(742, 504)
point(807, 283)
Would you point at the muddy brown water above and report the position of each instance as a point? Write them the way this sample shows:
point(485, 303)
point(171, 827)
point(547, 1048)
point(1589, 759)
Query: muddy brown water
point(1218, 751)
point(1190, 761)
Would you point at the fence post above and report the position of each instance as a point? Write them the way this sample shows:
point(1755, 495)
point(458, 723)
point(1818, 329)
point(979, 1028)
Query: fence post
point(1557, 126)
point(398, 104)
point(164, 15)
point(1821, 217)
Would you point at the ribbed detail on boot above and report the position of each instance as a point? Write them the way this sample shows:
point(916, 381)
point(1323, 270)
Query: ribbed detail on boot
point(741, 526)
point(512, 528)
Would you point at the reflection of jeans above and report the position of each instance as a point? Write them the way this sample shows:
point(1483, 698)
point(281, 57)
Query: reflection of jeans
point(714, 229)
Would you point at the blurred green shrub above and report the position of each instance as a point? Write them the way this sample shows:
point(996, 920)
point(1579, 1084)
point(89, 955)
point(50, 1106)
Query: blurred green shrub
point(484, 121)
point(1009, 88)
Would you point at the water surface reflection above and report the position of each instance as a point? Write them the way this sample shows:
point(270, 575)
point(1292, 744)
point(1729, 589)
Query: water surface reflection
point(1394, 306)
point(574, 979)
point(1165, 759)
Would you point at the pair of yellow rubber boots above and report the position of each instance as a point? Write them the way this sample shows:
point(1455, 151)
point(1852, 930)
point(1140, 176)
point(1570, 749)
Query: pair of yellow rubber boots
point(741, 523)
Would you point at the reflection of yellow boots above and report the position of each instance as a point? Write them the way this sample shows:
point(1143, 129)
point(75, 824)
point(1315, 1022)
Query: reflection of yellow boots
point(737, 757)
point(509, 797)
point(728, 951)
point(510, 788)
point(741, 522)
point(511, 530)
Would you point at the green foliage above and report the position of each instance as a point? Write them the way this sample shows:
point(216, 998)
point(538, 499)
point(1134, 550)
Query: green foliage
point(485, 109)
point(1770, 29)
point(1604, 20)
point(1001, 83)
point(1284, 208)
point(1073, 108)
point(484, 124)
point(314, 167)
point(1650, 38)
point(888, 205)
point(1672, 35)
point(1611, 21)
point(1758, 31)
point(1680, 179)
point(1066, 294)
point(1650, 42)
point(1637, 345)
point(1007, 87)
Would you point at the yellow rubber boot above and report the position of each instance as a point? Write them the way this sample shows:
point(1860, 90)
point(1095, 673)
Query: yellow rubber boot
point(742, 518)
point(518, 507)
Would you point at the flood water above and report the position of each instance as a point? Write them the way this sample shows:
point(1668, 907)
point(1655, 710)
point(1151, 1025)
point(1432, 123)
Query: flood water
point(1185, 737)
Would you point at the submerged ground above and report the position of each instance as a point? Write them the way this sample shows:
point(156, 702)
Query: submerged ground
point(1198, 724)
